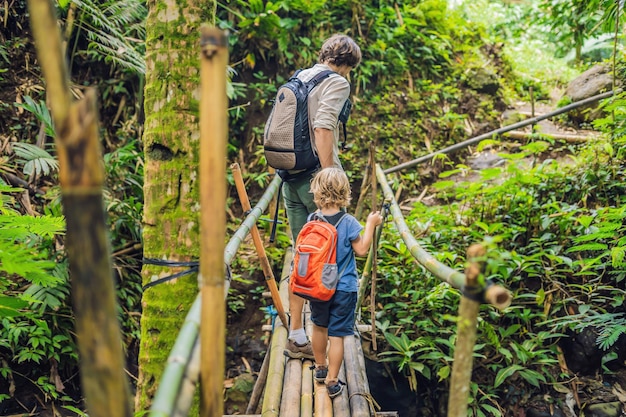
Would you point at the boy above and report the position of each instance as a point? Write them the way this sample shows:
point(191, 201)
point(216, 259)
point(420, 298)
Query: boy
point(334, 319)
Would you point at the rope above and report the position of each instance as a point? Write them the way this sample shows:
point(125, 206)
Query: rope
point(194, 267)
point(272, 312)
point(374, 407)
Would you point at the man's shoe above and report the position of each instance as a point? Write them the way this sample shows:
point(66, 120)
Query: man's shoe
point(296, 351)
point(335, 388)
point(320, 373)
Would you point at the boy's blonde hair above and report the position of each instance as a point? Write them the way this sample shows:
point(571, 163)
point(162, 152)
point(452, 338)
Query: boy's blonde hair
point(330, 187)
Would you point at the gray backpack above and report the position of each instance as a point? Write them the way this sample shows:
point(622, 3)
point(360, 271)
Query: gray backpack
point(287, 141)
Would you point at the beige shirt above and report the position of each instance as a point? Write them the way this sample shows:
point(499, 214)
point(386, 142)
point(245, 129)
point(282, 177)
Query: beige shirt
point(325, 103)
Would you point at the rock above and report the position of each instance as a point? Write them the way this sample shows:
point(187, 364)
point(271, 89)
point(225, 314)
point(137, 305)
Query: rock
point(581, 352)
point(612, 409)
point(596, 80)
point(483, 80)
point(242, 386)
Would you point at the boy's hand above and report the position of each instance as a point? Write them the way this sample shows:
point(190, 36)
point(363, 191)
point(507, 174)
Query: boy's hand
point(374, 218)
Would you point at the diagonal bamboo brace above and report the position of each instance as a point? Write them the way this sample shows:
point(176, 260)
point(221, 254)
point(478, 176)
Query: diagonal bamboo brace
point(258, 244)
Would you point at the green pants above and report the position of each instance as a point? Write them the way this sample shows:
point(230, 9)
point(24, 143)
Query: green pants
point(298, 203)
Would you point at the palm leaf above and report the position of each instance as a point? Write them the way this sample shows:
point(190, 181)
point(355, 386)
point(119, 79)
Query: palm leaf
point(36, 161)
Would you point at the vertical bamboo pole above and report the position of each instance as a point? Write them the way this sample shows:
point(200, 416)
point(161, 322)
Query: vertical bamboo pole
point(374, 248)
point(212, 172)
point(258, 244)
point(81, 176)
point(466, 338)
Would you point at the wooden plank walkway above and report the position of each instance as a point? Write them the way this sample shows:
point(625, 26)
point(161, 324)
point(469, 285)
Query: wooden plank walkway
point(289, 388)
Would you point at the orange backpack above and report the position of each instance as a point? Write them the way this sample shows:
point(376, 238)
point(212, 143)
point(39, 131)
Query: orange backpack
point(314, 274)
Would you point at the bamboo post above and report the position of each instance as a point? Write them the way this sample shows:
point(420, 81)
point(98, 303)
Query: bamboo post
point(212, 174)
point(258, 244)
point(81, 176)
point(466, 336)
point(374, 248)
point(367, 269)
point(358, 211)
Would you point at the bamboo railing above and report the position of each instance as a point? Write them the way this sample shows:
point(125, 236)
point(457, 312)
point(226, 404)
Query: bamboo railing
point(495, 295)
point(499, 131)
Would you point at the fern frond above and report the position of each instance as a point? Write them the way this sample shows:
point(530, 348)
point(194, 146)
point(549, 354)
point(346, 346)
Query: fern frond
point(587, 247)
point(115, 30)
point(611, 333)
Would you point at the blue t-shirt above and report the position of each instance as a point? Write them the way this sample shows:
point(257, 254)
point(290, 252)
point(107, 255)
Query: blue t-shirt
point(348, 229)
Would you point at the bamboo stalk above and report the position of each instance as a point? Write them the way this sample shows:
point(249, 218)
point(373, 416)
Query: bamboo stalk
point(258, 244)
point(515, 134)
point(466, 338)
point(292, 386)
point(306, 395)
point(322, 402)
point(357, 387)
point(341, 404)
point(374, 248)
point(276, 372)
point(250, 221)
point(212, 174)
point(500, 297)
point(366, 274)
point(167, 395)
point(358, 211)
point(81, 176)
point(189, 383)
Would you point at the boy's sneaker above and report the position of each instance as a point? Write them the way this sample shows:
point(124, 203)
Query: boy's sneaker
point(320, 373)
point(334, 389)
point(297, 351)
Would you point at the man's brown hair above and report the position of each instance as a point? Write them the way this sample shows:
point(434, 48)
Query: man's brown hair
point(340, 50)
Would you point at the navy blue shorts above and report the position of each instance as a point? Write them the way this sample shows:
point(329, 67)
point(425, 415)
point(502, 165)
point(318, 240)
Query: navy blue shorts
point(337, 314)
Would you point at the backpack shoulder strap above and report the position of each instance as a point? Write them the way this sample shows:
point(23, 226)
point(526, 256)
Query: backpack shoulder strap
point(343, 216)
point(318, 78)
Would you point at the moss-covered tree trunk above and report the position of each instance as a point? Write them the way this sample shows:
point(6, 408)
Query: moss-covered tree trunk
point(171, 188)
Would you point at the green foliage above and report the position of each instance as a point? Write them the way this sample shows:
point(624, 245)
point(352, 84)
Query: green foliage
point(36, 161)
point(35, 328)
point(115, 32)
point(557, 242)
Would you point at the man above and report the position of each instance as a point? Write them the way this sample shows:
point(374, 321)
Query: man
point(340, 54)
